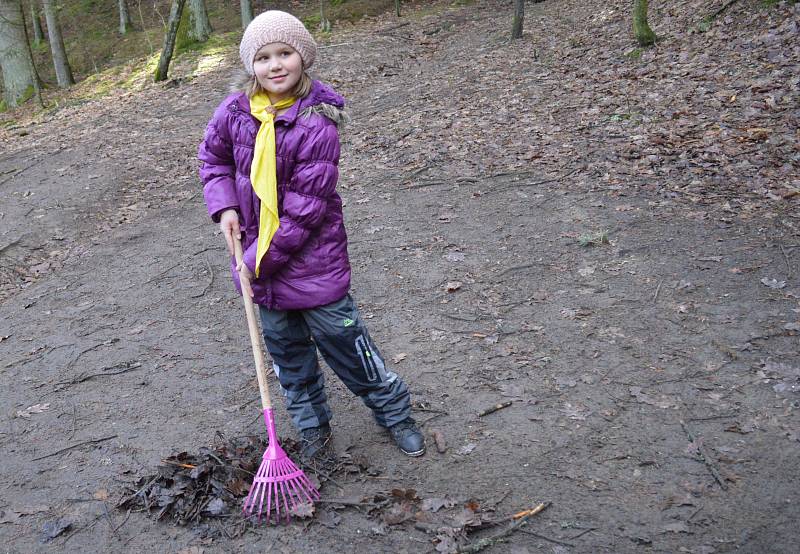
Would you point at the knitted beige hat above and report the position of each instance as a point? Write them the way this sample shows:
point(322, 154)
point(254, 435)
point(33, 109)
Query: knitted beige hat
point(276, 26)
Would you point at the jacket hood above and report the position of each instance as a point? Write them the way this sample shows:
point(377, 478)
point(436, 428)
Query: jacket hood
point(322, 99)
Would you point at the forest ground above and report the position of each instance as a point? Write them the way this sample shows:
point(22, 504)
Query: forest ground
point(653, 374)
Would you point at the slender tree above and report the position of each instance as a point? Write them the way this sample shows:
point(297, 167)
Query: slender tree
point(519, 18)
point(247, 12)
point(324, 22)
point(60, 61)
point(175, 13)
point(641, 30)
point(36, 21)
point(200, 26)
point(397, 7)
point(125, 24)
point(20, 81)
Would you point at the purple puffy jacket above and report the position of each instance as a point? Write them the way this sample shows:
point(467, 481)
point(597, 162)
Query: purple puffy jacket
point(306, 265)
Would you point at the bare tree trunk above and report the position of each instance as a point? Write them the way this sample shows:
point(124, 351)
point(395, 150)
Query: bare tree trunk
point(641, 30)
point(38, 34)
point(125, 24)
point(397, 7)
point(20, 81)
point(169, 39)
point(247, 12)
point(324, 22)
point(200, 26)
point(60, 61)
point(519, 18)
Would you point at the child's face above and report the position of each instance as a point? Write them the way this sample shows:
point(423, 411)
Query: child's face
point(278, 67)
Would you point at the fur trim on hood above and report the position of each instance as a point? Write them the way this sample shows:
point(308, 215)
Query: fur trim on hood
point(335, 113)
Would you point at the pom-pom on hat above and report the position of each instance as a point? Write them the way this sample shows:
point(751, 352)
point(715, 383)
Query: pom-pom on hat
point(276, 26)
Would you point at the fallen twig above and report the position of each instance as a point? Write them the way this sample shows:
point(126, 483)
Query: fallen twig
point(546, 538)
point(57, 452)
point(705, 458)
point(495, 408)
point(658, 289)
point(582, 533)
point(98, 345)
point(210, 281)
point(84, 378)
point(9, 245)
point(516, 268)
point(479, 545)
point(786, 259)
point(110, 521)
point(535, 183)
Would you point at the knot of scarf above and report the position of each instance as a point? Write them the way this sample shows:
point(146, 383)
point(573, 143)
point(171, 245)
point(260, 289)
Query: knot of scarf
point(263, 174)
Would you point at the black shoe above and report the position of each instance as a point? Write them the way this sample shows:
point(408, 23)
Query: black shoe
point(408, 438)
point(314, 442)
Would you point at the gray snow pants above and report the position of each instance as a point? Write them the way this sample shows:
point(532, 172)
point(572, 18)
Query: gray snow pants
point(292, 338)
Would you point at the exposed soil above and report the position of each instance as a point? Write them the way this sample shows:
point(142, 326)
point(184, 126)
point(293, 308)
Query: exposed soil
point(607, 240)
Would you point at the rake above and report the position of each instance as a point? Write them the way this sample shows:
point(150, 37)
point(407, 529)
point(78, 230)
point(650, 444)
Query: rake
point(279, 485)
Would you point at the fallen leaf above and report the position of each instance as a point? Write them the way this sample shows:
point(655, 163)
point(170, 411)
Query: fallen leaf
point(53, 528)
point(217, 507)
point(400, 357)
point(453, 286)
point(467, 449)
point(409, 495)
point(575, 411)
point(773, 283)
point(678, 527)
point(303, 510)
point(35, 409)
point(397, 514)
point(8, 516)
point(446, 545)
point(191, 550)
point(468, 517)
point(436, 504)
point(661, 402)
point(100, 494)
point(328, 518)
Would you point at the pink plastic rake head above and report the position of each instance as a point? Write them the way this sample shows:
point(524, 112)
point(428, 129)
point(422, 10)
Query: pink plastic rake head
point(279, 485)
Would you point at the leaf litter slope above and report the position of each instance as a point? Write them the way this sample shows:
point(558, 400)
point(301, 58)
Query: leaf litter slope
point(469, 161)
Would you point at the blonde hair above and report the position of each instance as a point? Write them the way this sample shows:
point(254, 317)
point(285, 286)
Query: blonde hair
point(300, 90)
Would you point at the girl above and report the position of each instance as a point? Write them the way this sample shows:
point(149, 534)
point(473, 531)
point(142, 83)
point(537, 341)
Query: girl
point(270, 165)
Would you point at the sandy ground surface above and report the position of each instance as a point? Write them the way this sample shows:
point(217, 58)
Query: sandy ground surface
point(607, 241)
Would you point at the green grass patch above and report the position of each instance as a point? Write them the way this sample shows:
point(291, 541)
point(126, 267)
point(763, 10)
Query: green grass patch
point(598, 238)
point(635, 54)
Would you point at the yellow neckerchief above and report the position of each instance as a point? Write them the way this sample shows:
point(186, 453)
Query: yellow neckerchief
point(263, 170)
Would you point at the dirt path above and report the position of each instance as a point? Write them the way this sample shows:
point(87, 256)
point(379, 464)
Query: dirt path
point(469, 184)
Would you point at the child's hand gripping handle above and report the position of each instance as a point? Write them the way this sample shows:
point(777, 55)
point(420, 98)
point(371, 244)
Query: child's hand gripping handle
point(255, 337)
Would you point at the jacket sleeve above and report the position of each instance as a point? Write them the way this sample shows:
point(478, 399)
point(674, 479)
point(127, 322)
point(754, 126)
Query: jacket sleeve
point(305, 201)
point(217, 167)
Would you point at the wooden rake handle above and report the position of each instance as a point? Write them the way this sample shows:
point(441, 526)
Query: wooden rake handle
point(255, 336)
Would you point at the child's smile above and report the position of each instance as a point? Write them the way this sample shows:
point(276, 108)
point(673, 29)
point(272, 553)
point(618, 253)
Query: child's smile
point(278, 68)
